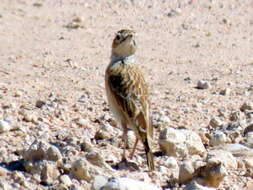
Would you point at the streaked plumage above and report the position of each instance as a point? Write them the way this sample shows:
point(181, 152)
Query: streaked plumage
point(127, 92)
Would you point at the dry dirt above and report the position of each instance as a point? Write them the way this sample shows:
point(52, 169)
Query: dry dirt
point(60, 49)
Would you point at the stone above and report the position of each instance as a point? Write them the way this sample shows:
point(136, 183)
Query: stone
point(80, 169)
point(221, 156)
point(40, 103)
point(212, 174)
point(40, 150)
point(65, 179)
point(3, 171)
point(83, 122)
point(49, 173)
point(248, 162)
point(186, 172)
point(86, 146)
point(99, 182)
point(235, 116)
point(195, 186)
point(4, 185)
point(180, 142)
point(123, 183)
point(249, 140)
point(218, 138)
point(96, 159)
point(248, 129)
point(4, 126)
point(203, 84)
point(238, 150)
point(247, 106)
point(215, 122)
point(101, 135)
point(225, 92)
point(172, 165)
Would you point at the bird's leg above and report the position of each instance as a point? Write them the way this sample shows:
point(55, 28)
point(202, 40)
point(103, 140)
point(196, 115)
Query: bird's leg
point(134, 148)
point(124, 137)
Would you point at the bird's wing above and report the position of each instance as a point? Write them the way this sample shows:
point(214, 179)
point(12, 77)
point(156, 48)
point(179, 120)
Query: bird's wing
point(130, 91)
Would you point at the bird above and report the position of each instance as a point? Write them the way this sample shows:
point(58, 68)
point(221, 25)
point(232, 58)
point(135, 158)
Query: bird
point(128, 93)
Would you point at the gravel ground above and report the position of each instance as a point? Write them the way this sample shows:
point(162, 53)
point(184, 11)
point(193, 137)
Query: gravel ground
point(53, 56)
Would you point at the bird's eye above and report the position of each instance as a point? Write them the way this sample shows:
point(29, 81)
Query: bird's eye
point(118, 37)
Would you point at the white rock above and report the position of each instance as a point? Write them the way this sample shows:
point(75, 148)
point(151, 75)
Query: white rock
point(96, 158)
point(4, 126)
point(186, 171)
point(238, 150)
point(99, 182)
point(225, 92)
point(221, 156)
point(127, 184)
point(195, 186)
point(215, 122)
point(65, 179)
point(180, 143)
point(247, 106)
point(49, 173)
point(218, 138)
point(40, 150)
point(202, 84)
point(172, 165)
point(249, 139)
point(80, 169)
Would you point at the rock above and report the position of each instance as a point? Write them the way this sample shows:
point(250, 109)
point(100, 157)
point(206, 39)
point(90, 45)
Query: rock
point(235, 116)
point(99, 182)
point(80, 169)
point(215, 122)
point(202, 84)
point(218, 138)
point(40, 103)
point(86, 146)
point(101, 135)
point(18, 93)
point(247, 106)
point(4, 126)
point(249, 140)
point(186, 172)
point(238, 150)
point(160, 119)
point(172, 165)
point(225, 92)
point(195, 186)
point(180, 143)
point(248, 129)
point(29, 117)
point(248, 163)
point(96, 159)
point(3, 171)
point(4, 185)
point(212, 174)
point(83, 122)
point(223, 157)
point(127, 184)
point(65, 179)
point(40, 150)
point(49, 173)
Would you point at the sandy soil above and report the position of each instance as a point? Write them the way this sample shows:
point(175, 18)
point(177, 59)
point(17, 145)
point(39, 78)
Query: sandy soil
point(61, 48)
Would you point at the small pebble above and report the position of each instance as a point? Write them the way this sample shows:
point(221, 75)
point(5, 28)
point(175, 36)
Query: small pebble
point(202, 84)
point(4, 126)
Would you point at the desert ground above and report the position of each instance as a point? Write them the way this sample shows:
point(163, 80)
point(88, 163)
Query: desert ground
point(53, 56)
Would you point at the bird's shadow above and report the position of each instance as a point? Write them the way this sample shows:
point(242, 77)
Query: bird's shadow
point(124, 164)
point(17, 165)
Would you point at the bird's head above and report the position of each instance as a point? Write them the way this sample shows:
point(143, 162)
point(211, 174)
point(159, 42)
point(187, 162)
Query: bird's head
point(124, 43)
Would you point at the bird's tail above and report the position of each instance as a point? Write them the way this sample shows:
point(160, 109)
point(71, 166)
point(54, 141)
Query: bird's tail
point(149, 155)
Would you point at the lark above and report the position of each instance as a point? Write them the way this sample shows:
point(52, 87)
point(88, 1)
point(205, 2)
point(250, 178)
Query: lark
point(127, 93)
